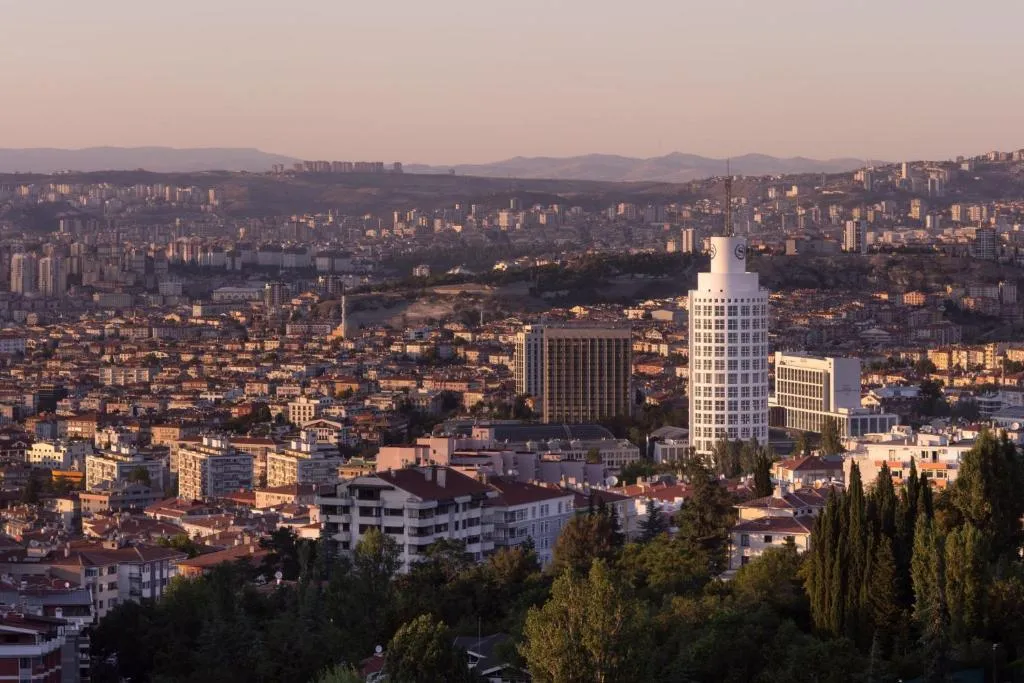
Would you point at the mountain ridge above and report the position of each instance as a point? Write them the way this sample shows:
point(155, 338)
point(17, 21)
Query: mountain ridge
point(151, 158)
point(672, 167)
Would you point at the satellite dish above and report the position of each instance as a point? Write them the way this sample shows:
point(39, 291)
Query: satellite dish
point(378, 649)
point(611, 481)
point(67, 584)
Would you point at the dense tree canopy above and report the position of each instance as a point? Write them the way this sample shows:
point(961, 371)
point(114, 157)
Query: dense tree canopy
point(899, 583)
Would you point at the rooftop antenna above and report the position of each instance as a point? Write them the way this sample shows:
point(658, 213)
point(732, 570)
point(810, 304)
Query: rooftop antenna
point(728, 200)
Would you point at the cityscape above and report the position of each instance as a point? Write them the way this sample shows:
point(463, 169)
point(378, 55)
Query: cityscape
point(482, 382)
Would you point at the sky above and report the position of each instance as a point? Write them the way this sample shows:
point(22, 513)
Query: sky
point(462, 81)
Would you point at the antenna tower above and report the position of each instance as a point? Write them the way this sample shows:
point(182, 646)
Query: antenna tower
point(728, 200)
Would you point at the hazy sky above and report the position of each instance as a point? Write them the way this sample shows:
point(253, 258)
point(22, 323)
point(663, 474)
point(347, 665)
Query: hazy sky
point(446, 81)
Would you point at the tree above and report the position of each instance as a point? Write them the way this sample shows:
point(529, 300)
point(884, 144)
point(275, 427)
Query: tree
point(987, 493)
point(654, 524)
point(830, 443)
point(140, 475)
point(801, 445)
point(30, 494)
point(423, 651)
point(584, 539)
point(594, 457)
point(930, 611)
point(589, 630)
point(772, 578)
point(924, 367)
point(339, 673)
point(763, 476)
point(705, 518)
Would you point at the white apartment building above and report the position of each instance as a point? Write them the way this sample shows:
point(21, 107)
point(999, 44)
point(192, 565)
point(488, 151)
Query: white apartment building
point(527, 511)
point(212, 468)
point(116, 463)
point(728, 350)
point(810, 390)
point(303, 409)
point(415, 506)
point(124, 375)
point(304, 461)
point(528, 362)
point(773, 521)
point(114, 575)
point(938, 455)
point(58, 455)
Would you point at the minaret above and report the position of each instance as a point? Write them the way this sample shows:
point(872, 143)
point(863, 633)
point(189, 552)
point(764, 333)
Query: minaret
point(728, 346)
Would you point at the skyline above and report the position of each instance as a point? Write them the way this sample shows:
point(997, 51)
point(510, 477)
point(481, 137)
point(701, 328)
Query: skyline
point(455, 82)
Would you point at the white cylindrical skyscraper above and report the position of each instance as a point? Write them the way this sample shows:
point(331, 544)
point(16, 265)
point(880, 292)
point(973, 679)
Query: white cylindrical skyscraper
point(728, 350)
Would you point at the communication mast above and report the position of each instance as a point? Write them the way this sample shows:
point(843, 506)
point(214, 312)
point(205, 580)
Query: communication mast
point(728, 201)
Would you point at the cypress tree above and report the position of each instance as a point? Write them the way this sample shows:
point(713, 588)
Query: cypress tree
point(882, 603)
point(854, 552)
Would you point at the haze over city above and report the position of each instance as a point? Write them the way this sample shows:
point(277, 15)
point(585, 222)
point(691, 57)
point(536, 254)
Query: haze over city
point(458, 81)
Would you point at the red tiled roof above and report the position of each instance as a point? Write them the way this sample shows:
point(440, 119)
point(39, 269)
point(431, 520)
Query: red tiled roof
point(779, 525)
point(518, 493)
point(810, 462)
point(422, 482)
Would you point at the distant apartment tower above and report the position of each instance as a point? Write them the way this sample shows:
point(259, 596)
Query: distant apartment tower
point(984, 246)
point(24, 273)
point(274, 295)
point(689, 243)
point(53, 276)
point(212, 469)
point(728, 350)
point(810, 390)
point(855, 238)
point(578, 373)
point(918, 209)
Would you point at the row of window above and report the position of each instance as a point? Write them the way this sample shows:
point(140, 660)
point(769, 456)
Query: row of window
point(723, 418)
point(731, 324)
point(732, 405)
point(731, 337)
point(732, 365)
point(720, 351)
point(745, 310)
point(745, 391)
point(734, 378)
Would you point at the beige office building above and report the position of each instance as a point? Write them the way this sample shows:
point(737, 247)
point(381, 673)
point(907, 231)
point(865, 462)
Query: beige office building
point(582, 373)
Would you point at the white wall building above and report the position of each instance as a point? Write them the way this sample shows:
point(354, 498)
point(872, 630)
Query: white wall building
point(304, 461)
point(58, 455)
point(212, 468)
point(526, 511)
point(728, 350)
point(415, 506)
point(809, 390)
point(938, 455)
point(117, 463)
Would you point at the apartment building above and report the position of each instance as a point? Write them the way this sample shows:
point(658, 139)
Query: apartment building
point(259, 448)
point(304, 461)
point(938, 455)
point(304, 409)
point(117, 463)
point(810, 390)
point(580, 373)
point(57, 455)
point(31, 648)
point(527, 511)
point(112, 573)
point(213, 468)
point(415, 506)
point(773, 521)
point(126, 375)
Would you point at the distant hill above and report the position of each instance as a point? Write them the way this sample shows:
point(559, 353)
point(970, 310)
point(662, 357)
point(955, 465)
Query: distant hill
point(674, 168)
point(157, 159)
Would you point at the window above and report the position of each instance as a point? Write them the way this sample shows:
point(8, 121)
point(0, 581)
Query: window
point(767, 539)
point(745, 541)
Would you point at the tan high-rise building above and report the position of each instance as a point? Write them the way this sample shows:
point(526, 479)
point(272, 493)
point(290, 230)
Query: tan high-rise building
point(582, 373)
point(53, 276)
point(24, 273)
